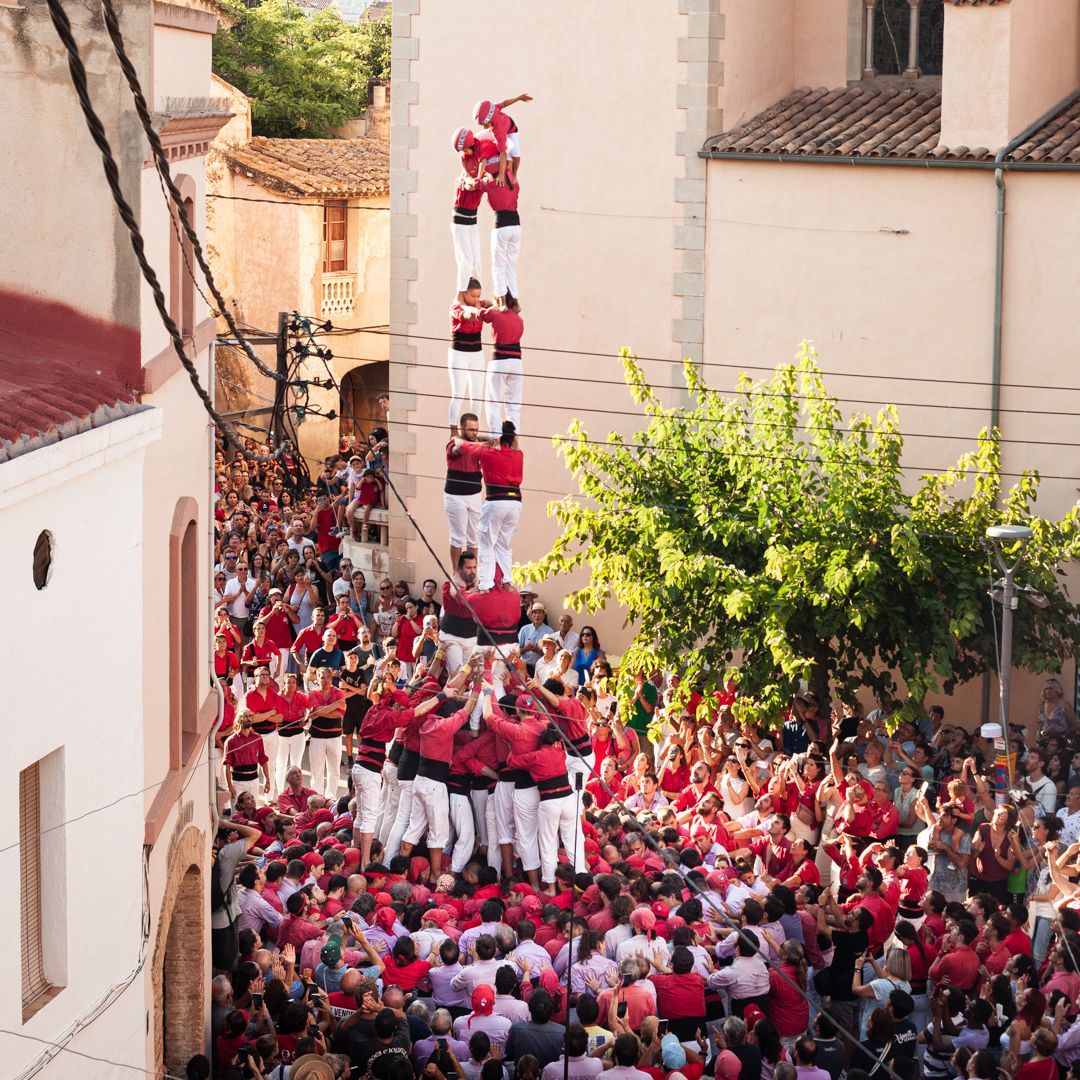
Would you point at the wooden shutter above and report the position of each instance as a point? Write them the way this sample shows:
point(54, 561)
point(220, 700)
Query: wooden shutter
point(33, 958)
point(335, 237)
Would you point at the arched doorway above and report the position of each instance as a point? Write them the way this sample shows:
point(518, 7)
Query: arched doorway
point(360, 389)
point(182, 980)
point(179, 966)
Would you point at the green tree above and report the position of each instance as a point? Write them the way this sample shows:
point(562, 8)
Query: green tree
point(756, 536)
point(305, 74)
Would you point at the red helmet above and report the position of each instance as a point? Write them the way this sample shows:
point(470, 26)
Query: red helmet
point(463, 139)
point(484, 112)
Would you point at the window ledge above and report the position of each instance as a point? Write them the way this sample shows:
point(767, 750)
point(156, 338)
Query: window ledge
point(50, 992)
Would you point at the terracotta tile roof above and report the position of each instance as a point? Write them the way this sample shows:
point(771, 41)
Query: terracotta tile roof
point(880, 122)
point(61, 372)
point(315, 166)
point(977, 3)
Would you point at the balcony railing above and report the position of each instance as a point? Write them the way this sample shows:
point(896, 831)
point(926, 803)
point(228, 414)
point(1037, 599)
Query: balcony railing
point(338, 290)
point(902, 37)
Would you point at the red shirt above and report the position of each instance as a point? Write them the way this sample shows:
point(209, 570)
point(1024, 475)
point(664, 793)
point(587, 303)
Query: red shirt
point(463, 457)
point(290, 802)
point(675, 779)
point(788, 1009)
point(690, 797)
point(521, 735)
point(543, 763)
point(960, 967)
point(1018, 942)
point(502, 465)
point(465, 320)
point(913, 886)
point(278, 627)
point(501, 126)
point(571, 717)
point(776, 857)
point(807, 872)
point(406, 977)
point(263, 702)
point(600, 796)
point(437, 735)
point(308, 640)
point(886, 821)
point(325, 521)
point(241, 750)
point(474, 754)
point(883, 916)
point(293, 710)
point(225, 667)
point(326, 726)
point(506, 326)
point(504, 198)
point(679, 997)
point(256, 655)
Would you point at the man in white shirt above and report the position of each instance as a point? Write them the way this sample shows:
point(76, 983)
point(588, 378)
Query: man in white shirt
point(549, 661)
point(529, 636)
point(569, 639)
point(238, 594)
point(1042, 787)
point(1070, 817)
point(483, 969)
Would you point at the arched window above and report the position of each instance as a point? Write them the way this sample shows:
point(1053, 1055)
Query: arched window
point(183, 631)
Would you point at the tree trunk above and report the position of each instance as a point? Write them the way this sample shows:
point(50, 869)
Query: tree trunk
point(821, 678)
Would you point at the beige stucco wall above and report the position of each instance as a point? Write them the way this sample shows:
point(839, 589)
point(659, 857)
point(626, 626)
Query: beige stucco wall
point(181, 64)
point(598, 213)
point(821, 47)
point(801, 253)
point(47, 145)
point(759, 56)
point(1043, 58)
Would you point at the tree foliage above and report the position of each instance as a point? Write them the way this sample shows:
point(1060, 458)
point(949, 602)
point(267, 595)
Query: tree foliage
point(305, 74)
point(757, 536)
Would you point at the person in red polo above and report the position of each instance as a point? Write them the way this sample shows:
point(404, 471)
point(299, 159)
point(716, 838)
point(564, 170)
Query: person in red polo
point(262, 701)
point(326, 708)
point(958, 963)
point(279, 620)
point(505, 377)
point(245, 756)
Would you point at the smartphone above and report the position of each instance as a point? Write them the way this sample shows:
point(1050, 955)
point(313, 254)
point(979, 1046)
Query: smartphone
point(620, 1012)
point(627, 980)
point(257, 1000)
point(924, 787)
point(310, 990)
point(662, 1028)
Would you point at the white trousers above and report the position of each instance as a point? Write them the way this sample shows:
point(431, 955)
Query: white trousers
point(526, 808)
point(290, 752)
point(494, 856)
point(466, 252)
point(270, 745)
point(458, 652)
point(498, 523)
point(505, 248)
point(479, 799)
point(430, 813)
point(504, 389)
point(463, 517)
point(401, 820)
point(368, 788)
point(254, 786)
point(555, 822)
point(503, 806)
point(462, 832)
point(391, 795)
point(574, 767)
point(466, 384)
point(324, 761)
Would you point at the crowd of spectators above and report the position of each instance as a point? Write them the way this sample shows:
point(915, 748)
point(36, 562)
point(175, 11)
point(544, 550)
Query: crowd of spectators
point(828, 894)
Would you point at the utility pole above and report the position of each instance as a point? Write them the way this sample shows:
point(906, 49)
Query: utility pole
point(277, 425)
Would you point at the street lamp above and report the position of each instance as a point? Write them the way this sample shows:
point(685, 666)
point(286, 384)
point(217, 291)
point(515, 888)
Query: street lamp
point(1003, 536)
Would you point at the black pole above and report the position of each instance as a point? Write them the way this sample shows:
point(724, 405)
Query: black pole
point(277, 422)
point(578, 779)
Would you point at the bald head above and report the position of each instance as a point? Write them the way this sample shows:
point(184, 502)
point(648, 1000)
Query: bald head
point(264, 958)
point(356, 884)
point(441, 1022)
point(350, 981)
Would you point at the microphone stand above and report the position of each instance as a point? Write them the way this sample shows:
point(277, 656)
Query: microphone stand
point(579, 778)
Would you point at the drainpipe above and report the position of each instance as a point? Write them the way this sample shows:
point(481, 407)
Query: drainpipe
point(999, 248)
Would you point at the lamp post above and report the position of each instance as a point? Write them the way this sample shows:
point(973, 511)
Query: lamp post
point(1002, 536)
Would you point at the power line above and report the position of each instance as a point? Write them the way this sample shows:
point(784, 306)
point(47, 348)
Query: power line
point(570, 748)
point(77, 72)
point(60, 1049)
point(161, 165)
point(278, 202)
point(718, 364)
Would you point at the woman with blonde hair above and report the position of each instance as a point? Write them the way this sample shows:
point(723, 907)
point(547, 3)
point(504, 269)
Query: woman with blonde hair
point(895, 975)
point(1056, 715)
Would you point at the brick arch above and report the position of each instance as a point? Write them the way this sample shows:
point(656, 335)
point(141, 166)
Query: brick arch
point(178, 969)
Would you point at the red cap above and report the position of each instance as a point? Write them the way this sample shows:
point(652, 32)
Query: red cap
point(385, 918)
point(660, 909)
point(321, 815)
point(312, 858)
point(484, 111)
point(343, 821)
point(483, 1000)
point(463, 139)
point(383, 899)
point(752, 1014)
point(437, 915)
point(352, 856)
point(642, 919)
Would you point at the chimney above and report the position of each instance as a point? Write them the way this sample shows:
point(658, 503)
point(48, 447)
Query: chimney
point(377, 115)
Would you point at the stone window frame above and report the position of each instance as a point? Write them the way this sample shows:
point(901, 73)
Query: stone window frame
point(859, 42)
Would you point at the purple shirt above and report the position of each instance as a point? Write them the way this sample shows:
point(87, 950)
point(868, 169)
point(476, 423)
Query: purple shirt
point(537, 955)
point(581, 1068)
point(496, 1028)
point(507, 1005)
point(605, 971)
point(422, 1050)
point(256, 913)
point(442, 990)
point(468, 938)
